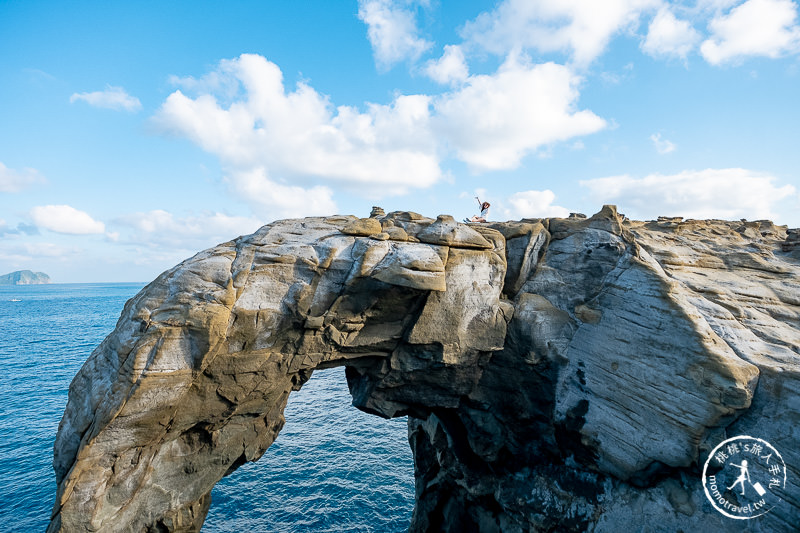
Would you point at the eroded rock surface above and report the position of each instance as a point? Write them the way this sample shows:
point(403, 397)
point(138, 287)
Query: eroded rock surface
point(559, 374)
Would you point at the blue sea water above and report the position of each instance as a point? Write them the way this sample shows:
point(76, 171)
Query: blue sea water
point(332, 468)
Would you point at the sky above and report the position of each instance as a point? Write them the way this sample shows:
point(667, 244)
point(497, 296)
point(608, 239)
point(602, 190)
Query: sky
point(135, 134)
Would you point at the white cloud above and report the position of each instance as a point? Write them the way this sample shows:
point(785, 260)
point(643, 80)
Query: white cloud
point(162, 229)
point(111, 98)
point(301, 138)
point(669, 36)
point(663, 146)
point(450, 68)
point(221, 82)
point(392, 30)
point(284, 152)
point(581, 28)
point(765, 28)
point(277, 200)
point(65, 219)
point(534, 204)
point(730, 193)
point(494, 121)
point(16, 180)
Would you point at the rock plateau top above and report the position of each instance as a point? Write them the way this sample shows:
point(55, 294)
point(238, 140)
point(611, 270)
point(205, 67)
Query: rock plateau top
point(558, 374)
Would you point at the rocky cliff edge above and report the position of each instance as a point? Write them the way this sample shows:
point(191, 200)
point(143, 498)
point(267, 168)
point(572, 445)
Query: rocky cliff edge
point(558, 374)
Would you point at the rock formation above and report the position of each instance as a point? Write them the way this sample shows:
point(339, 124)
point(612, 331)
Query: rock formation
point(24, 277)
point(559, 374)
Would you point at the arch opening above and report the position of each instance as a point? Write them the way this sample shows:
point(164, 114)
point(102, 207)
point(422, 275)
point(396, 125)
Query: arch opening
point(332, 467)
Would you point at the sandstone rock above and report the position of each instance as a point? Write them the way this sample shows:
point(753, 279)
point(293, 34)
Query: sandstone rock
point(792, 242)
point(411, 223)
point(446, 231)
point(417, 266)
point(362, 226)
point(559, 374)
point(396, 234)
point(525, 243)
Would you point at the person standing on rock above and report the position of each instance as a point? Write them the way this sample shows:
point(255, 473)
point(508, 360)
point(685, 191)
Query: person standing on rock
point(484, 207)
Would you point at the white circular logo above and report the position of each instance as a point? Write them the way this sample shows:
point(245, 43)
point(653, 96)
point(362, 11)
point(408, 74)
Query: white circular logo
point(743, 476)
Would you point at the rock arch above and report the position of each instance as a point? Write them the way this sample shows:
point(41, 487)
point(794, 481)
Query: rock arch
point(549, 366)
point(194, 380)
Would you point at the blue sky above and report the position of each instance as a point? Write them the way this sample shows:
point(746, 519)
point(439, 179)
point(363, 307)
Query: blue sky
point(135, 134)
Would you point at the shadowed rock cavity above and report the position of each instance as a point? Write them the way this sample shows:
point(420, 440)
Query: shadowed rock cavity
point(559, 374)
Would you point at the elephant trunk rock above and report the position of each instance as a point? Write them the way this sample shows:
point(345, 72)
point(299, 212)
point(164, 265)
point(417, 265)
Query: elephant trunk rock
point(558, 374)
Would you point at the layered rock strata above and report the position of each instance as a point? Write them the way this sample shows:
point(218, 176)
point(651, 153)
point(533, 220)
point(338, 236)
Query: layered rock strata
point(558, 374)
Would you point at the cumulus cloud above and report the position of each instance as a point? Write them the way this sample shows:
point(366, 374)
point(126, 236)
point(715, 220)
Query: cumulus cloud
point(392, 30)
point(495, 120)
point(111, 98)
point(299, 136)
point(663, 146)
point(450, 68)
point(162, 229)
point(581, 28)
point(669, 36)
point(730, 193)
point(534, 204)
point(285, 151)
point(766, 28)
point(278, 200)
point(65, 219)
point(16, 180)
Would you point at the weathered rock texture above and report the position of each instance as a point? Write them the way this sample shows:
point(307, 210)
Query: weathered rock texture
point(559, 374)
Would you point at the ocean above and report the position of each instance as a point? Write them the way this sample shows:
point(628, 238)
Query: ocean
point(332, 468)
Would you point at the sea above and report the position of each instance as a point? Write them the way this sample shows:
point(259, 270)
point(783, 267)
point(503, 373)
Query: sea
point(331, 469)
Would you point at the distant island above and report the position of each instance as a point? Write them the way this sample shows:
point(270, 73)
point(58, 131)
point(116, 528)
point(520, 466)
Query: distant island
point(25, 277)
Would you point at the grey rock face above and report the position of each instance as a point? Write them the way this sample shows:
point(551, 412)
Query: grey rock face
point(559, 374)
